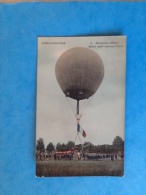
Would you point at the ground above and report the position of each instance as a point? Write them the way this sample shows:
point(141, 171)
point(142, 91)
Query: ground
point(79, 168)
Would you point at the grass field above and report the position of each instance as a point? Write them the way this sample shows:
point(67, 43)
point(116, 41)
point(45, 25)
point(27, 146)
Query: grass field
point(79, 168)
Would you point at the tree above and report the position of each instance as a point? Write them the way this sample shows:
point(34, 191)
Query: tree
point(87, 144)
point(70, 145)
point(50, 147)
point(91, 148)
point(40, 145)
point(118, 141)
point(58, 147)
point(63, 147)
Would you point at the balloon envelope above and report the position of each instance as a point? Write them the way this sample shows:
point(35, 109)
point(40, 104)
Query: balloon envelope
point(79, 72)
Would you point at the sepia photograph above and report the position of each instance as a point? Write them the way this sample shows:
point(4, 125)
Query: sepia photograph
point(80, 107)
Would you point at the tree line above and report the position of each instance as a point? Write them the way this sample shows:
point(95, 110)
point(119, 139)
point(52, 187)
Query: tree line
point(117, 145)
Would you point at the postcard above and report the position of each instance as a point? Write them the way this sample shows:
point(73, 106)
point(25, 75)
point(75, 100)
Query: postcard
point(80, 106)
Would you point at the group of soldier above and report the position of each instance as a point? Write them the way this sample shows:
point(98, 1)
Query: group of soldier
point(44, 156)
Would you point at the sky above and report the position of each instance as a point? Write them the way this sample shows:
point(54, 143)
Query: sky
point(103, 118)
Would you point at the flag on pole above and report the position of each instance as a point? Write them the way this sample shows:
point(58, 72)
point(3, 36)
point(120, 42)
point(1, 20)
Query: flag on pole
point(81, 130)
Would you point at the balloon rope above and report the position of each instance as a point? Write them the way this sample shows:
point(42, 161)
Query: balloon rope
point(80, 142)
point(79, 139)
point(86, 104)
point(70, 106)
point(76, 138)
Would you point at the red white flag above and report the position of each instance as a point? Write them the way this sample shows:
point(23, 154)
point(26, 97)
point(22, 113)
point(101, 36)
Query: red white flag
point(81, 130)
point(83, 133)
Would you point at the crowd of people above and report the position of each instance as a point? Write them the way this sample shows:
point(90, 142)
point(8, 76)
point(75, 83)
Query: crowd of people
point(76, 155)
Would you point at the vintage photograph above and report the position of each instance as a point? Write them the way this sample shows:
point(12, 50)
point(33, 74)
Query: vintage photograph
point(80, 108)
